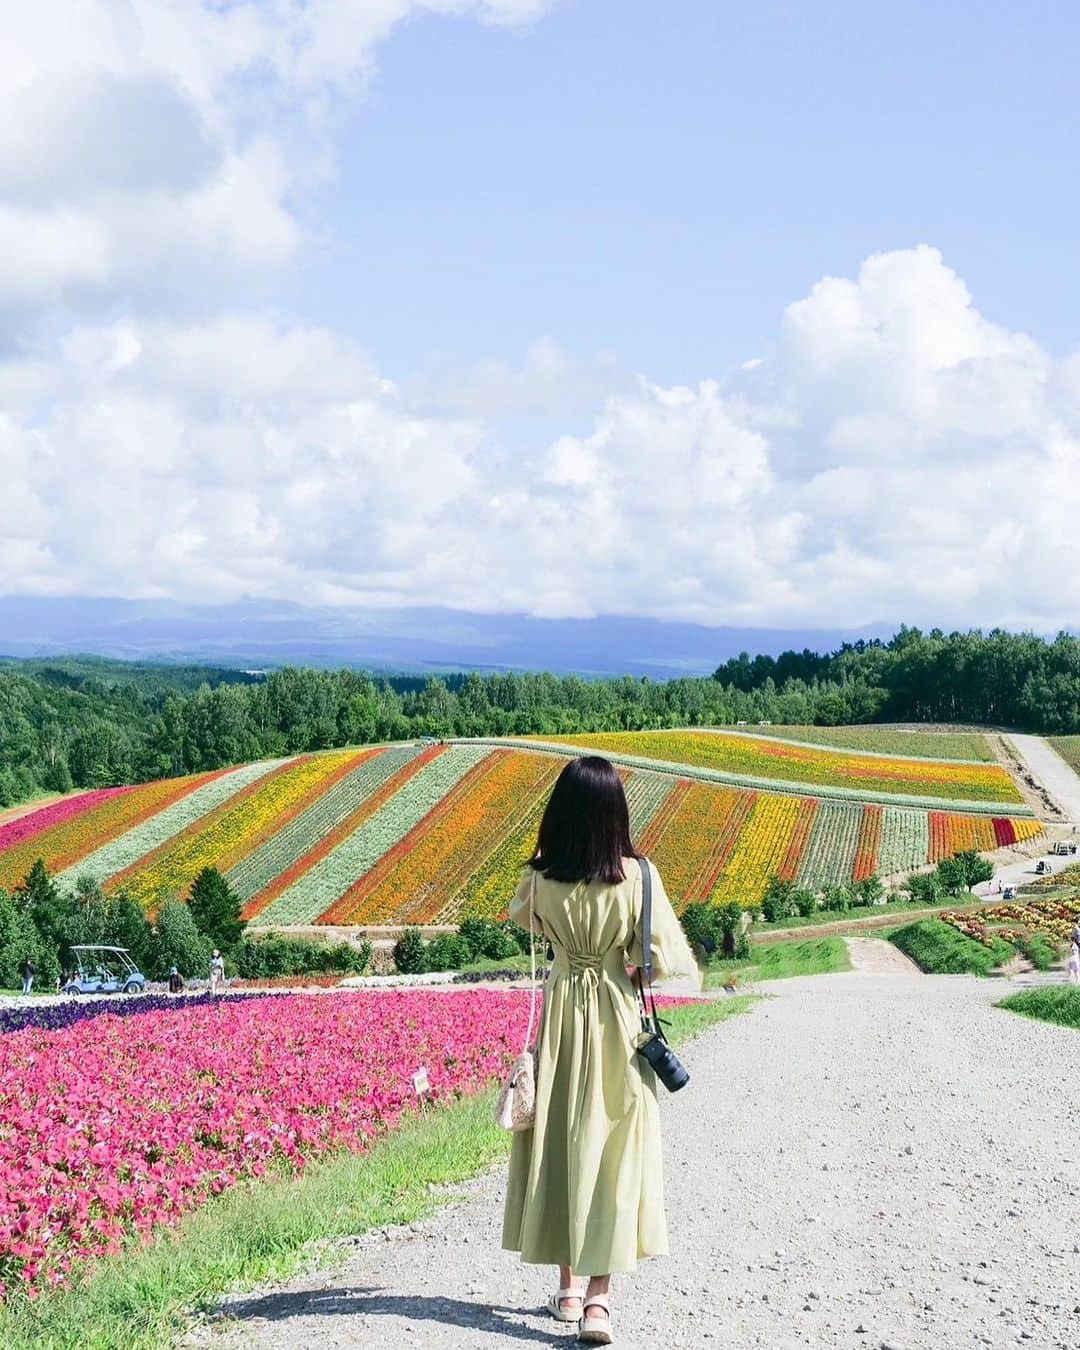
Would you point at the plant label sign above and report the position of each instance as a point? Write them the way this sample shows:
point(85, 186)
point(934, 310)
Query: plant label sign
point(420, 1082)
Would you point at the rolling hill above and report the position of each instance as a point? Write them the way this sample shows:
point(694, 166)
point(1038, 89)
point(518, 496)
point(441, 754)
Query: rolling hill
point(426, 833)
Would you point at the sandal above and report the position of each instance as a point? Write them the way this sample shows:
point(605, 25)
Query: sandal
point(596, 1330)
point(555, 1304)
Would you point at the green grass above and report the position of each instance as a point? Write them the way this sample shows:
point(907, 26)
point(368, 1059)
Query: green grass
point(1068, 747)
point(1054, 1003)
point(143, 1299)
point(485, 964)
point(782, 960)
point(890, 740)
point(895, 908)
point(939, 949)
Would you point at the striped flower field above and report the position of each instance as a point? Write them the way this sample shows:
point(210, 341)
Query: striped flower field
point(423, 834)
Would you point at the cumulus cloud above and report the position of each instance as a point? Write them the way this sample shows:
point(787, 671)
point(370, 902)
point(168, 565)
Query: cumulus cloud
point(898, 456)
point(157, 142)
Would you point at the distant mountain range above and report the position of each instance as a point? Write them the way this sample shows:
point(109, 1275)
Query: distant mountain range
point(259, 633)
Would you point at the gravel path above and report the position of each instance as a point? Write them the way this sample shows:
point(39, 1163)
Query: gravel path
point(878, 957)
point(862, 1161)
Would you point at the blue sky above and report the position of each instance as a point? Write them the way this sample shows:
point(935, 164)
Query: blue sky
point(662, 186)
point(761, 316)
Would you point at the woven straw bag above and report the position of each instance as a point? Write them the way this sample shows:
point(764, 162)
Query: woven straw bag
point(516, 1106)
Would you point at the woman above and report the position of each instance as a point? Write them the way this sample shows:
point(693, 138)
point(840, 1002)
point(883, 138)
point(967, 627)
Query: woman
point(586, 1187)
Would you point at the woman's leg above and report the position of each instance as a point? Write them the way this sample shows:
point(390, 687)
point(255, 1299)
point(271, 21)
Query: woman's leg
point(568, 1280)
point(598, 1284)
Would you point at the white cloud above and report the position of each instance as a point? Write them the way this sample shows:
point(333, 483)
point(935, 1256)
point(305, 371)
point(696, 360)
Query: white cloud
point(898, 457)
point(156, 142)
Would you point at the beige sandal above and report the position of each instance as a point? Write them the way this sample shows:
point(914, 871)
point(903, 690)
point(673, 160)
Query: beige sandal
point(596, 1330)
point(555, 1304)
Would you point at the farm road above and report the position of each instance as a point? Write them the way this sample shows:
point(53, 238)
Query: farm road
point(863, 1160)
point(1048, 768)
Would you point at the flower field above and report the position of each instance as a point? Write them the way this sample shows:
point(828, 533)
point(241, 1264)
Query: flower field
point(761, 759)
point(1051, 918)
point(433, 833)
point(115, 1126)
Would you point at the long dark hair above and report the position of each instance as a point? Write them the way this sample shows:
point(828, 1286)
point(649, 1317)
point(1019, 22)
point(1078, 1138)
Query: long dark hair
point(585, 830)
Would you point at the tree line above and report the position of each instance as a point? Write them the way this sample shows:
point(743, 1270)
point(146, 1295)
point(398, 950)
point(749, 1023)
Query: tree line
point(79, 723)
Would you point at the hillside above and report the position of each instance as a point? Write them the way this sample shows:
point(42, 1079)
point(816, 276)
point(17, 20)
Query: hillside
point(408, 832)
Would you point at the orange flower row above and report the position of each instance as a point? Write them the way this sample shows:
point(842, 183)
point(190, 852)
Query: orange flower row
point(866, 850)
point(800, 835)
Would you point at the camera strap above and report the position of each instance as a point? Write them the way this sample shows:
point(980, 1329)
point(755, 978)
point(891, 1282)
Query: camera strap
point(650, 1020)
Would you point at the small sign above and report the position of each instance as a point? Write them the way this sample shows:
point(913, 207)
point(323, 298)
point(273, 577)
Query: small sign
point(420, 1082)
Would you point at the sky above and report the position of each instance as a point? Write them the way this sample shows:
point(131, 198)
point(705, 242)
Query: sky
point(760, 316)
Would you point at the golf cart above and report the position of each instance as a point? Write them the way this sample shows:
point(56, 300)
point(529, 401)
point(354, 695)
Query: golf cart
point(104, 970)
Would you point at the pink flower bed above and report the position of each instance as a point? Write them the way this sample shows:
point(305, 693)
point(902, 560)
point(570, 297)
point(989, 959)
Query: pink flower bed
point(25, 827)
point(117, 1125)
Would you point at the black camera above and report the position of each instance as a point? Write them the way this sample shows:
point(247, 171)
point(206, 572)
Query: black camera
point(665, 1063)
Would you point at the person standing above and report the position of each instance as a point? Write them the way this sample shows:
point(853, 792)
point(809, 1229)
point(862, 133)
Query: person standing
point(1074, 964)
point(26, 973)
point(217, 971)
point(585, 1190)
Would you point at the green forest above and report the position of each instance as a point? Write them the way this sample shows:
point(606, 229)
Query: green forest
point(82, 722)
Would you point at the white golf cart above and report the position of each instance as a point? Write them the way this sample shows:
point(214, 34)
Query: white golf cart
point(104, 970)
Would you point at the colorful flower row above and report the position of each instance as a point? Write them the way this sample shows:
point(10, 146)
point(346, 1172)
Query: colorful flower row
point(36, 834)
point(761, 850)
point(313, 821)
point(374, 783)
point(201, 795)
point(411, 882)
point(1051, 918)
point(238, 1088)
point(790, 762)
point(233, 830)
point(322, 891)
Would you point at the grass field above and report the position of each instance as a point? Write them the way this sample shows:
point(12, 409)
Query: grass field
point(1059, 1004)
point(1068, 747)
point(143, 1298)
point(939, 949)
point(892, 740)
point(782, 961)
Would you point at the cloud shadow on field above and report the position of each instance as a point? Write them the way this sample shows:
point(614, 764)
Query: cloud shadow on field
point(347, 1302)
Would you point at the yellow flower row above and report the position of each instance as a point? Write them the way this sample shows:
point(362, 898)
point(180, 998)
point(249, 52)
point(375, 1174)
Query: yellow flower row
point(760, 850)
point(230, 833)
point(789, 761)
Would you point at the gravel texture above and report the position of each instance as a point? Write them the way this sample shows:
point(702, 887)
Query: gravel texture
point(864, 1160)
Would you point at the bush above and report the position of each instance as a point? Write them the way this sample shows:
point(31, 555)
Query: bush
point(805, 902)
point(925, 888)
point(488, 939)
point(976, 869)
point(835, 899)
point(177, 942)
point(277, 956)
point(216, 907)
point(701, 924)
point(952, 874)
point(776, 902)
point(940, 949)
point(409, 952)
point(870, 890)
point(449, 951)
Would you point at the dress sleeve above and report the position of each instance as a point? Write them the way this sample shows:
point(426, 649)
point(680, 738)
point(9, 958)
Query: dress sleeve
point(671, 952)
point(519, 906)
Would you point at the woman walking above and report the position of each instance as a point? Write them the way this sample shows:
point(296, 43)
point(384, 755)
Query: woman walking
point(586, 1187)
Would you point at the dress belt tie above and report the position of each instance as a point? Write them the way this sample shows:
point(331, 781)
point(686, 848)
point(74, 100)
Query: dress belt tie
point(585, 963)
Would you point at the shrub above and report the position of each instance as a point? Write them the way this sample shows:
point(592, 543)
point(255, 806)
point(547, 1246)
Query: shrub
point(701, 924)
point(940, 949)
point(216, 907)
point(835, 898)
point(177, 942)
point(277, 956)
point(925, 888)
point(776, 902)
point(870, 890)
point(805, 902)
point(449, 951)
point(485, 938)
point(409, 952)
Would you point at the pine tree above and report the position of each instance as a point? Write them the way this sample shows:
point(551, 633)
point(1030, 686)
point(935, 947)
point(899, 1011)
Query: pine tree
point(215, 907)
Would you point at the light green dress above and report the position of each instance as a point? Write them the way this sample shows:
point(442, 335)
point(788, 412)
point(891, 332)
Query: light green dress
point(586, 1183)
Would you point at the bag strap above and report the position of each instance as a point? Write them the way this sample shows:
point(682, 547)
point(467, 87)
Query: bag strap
point(532, 964)
point(650, 1020)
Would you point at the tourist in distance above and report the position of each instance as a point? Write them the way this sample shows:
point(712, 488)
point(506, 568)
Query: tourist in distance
point(26, 974)
point(217, 971)
point(600, 1210)
point(1074, 963)
point(176, 980)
